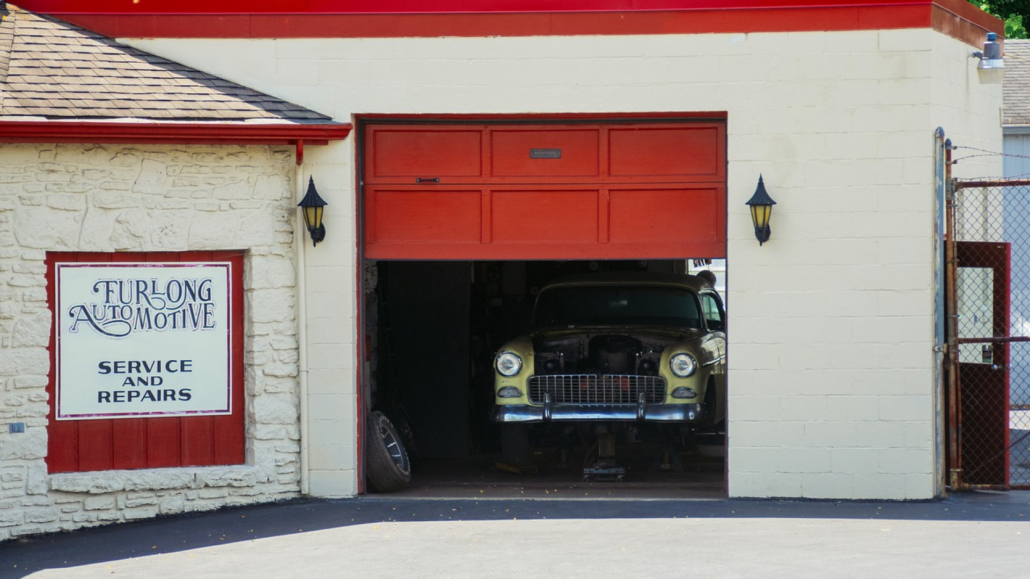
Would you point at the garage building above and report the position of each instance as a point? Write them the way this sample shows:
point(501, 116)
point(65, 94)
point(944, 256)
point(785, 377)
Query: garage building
point(493, 151)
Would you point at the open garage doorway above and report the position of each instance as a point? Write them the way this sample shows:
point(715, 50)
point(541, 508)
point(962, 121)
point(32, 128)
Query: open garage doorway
point(464, 224)
point(433, 329)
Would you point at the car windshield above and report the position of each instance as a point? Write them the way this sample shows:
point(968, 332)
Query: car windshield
point(617, 305)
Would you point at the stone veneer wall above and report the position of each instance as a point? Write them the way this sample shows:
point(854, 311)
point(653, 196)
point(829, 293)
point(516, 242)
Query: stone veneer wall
point(145, 198)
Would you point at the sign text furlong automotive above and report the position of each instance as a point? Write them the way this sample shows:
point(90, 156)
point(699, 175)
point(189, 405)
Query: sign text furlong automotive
point(143, 339)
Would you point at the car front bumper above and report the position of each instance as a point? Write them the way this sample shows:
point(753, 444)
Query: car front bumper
point(683, 413)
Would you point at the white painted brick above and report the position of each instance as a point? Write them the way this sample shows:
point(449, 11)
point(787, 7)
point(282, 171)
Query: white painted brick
point(915, 408)
point(852, 408)
point(331, 381)
point(881, 486)
point(855, 460)
point(330, 356)
point(758, 434)
point(765, 484)
point(331, 407)
point(905, 461)
point(333, 483)
point(919, 486)
point(331, 330)
point(897, 329)
point(328, 305)
point(830, 434)
point(827, 485)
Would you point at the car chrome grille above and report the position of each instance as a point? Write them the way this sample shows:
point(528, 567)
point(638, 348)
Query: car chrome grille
point(591, 389)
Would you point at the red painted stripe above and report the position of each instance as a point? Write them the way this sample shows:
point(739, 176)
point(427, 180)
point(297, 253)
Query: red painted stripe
point(432, 18)
point(63, 435)
point(96, 437)
point(494, 24)
point(522, 24)
point(134, 7)
point(170, 133)
point(228, 431)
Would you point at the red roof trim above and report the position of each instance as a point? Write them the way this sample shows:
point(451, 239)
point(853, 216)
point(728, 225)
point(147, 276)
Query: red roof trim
point(144, 133)
point(947, 16)
point(322, 7)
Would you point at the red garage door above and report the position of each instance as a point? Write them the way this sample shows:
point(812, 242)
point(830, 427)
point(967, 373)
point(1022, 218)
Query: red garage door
point(547, 191)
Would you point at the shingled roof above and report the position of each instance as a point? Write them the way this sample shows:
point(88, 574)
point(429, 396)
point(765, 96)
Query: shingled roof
point(1016, 87)
point(53, 70)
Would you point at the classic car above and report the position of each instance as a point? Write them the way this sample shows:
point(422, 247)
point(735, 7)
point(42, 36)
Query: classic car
point(643, 348)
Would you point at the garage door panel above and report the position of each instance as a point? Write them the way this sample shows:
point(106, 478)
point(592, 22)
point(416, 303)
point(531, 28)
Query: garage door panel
point(633, 190)
point(437, 216)
point(680, 153)
point(684, 216)
point(545, 153)
point(544, 216)
point(405, 155)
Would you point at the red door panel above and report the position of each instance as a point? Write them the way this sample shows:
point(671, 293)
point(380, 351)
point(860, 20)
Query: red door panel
point(683, 152)
point(432, 215)
point(685, 215)
point(542, 216)
point(425, 153)
point(545, 153)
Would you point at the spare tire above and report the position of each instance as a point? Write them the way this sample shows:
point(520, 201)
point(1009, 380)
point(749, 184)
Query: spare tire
point(386, 463)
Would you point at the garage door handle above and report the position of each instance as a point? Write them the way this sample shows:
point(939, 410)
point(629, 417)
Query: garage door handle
point(427, 179)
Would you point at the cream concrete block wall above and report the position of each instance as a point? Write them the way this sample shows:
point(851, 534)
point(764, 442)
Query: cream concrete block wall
point(831, 366)
point(93, 198)
point(330, 286)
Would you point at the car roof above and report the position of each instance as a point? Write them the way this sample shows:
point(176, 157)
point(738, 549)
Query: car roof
point(632, 278)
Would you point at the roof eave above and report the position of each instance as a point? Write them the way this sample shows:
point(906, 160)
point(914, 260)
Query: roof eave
point(180, 133)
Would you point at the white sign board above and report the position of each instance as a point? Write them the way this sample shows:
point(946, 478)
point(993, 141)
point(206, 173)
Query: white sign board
point(143, 339)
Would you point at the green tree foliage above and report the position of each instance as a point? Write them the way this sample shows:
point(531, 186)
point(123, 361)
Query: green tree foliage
point(1016, 14)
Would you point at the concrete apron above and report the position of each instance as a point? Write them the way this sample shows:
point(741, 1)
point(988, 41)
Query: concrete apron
point(970, 534)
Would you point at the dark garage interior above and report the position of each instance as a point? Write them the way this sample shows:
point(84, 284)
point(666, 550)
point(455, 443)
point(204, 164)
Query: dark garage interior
point(431, 331)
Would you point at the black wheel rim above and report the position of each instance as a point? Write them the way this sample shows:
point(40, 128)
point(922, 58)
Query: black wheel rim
point(393, 447)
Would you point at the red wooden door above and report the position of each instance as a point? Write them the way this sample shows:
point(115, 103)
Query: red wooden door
point(562, 191)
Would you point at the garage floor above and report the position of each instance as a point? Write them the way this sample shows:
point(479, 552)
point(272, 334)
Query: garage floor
point(485, 477)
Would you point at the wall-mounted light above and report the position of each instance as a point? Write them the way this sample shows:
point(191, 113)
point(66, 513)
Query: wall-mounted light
point(4, 11)
point(312, 206)
point(990, 58)
point(761, 210)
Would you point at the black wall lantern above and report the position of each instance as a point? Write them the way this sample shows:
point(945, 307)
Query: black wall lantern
point(312, 205)
point(761, 210)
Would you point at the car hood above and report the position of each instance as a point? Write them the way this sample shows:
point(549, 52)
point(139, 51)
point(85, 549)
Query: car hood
point(656, 332)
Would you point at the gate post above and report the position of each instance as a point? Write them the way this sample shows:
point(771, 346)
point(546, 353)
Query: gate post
point(951, 313)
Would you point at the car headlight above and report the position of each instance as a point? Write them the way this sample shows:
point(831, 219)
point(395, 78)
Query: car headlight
point(682, 365)
point(508, 364)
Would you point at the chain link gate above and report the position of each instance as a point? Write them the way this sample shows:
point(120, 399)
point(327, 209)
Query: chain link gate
point(987, 396)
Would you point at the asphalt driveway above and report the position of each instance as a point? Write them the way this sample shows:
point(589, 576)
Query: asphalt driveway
point(968, 535)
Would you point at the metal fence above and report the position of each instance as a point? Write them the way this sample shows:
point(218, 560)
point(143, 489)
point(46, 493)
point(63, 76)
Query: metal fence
point(988, 279)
